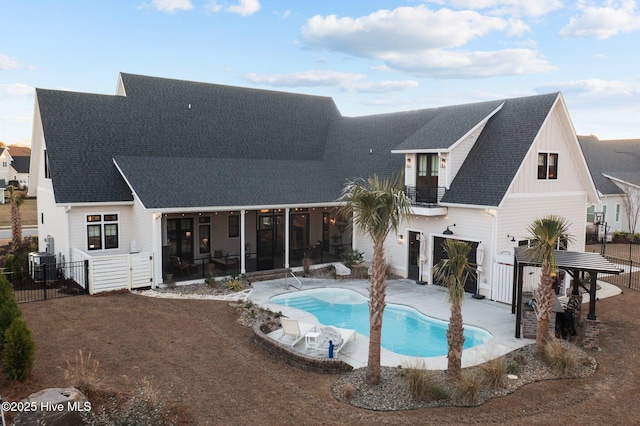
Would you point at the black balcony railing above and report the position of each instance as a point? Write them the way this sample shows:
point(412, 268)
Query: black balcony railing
point(424, 195)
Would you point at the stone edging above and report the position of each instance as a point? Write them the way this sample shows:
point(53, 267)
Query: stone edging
point(297, 359)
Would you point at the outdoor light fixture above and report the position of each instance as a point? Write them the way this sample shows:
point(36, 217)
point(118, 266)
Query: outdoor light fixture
point(448, 231)
point(400, 238)
point(513, 238)
point(443, 163)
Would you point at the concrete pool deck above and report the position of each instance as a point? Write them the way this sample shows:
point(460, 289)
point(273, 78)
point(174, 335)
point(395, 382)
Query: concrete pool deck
point(494, 317)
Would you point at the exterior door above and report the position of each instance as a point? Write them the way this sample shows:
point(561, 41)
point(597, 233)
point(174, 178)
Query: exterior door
point(471, 285)
point(427, 178)
point(180, 238)
point(413, 268)
point(270, 238)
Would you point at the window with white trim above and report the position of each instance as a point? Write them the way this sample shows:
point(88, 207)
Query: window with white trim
point(547, 165)
point(102, 231)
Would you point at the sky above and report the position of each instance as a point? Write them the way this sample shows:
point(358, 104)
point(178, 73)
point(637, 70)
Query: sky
point(371, 57)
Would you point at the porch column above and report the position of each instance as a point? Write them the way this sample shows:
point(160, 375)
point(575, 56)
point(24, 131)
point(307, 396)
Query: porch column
point(243, 257)
point(286, 237)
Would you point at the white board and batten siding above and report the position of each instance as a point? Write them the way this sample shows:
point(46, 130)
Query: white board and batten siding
point(118, 271)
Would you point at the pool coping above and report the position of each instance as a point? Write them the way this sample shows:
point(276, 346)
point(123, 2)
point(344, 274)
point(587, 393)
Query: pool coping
point(430, 300)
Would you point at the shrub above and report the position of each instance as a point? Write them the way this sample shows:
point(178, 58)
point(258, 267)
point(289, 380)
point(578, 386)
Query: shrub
point(143, 408)
point(467, 387)
point(348, 391)
point(13, 267)
point(83, 374)
point(422, 384)
point(234, 284)
point(494, 373)
point(9, 309)
point(561, 357)
point(351, 257)
point(620, 237)
point(19, 350)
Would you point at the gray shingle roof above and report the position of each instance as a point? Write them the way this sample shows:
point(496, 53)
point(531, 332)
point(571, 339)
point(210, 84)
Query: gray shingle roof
point(21, 164)
point(618, 158)
point(446, 125)
point(186, 144)
point(494, 160)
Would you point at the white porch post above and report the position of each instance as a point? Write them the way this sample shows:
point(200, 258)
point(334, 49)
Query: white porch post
point(286, 237)
point(156, 248)
point(243, 257)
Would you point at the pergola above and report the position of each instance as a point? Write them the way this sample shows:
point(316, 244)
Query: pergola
point(574, 262)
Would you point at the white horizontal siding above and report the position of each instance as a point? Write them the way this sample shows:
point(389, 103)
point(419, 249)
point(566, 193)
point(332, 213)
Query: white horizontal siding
point(117, 272)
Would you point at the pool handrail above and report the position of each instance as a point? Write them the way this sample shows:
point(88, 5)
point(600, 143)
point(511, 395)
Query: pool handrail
point(294, 277)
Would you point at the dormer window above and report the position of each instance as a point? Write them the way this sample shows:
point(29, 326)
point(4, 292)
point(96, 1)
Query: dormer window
point(547, 166)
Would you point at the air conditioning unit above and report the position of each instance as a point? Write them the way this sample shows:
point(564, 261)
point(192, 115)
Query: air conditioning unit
point(38, 262)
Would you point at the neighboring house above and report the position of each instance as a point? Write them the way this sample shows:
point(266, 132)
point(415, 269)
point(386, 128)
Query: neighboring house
point(19, 170)
point(169, 168)
point(615, 169)
point(14, 165)
point(5, 165)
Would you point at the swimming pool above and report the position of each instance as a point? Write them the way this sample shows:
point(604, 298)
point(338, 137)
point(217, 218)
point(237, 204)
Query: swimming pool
point(404, 330)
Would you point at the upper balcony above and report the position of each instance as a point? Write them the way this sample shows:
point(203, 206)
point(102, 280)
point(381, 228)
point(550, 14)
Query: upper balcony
point(425, 199)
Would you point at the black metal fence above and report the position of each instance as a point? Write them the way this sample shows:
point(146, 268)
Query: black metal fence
point(629, 278)
point(49, 281)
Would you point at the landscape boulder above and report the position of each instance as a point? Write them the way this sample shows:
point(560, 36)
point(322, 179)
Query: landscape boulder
point(54, 407)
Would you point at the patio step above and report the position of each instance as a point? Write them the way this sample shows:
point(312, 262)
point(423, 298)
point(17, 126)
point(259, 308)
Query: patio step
point(272, 274)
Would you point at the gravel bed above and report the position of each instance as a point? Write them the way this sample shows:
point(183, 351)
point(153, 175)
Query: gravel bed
point(392, 394)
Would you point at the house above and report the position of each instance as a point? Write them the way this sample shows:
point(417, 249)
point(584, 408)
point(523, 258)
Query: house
point(19, 167)
point(170, 177)
point(615, 168)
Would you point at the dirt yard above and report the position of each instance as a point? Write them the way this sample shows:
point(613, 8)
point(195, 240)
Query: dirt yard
point(199, 357)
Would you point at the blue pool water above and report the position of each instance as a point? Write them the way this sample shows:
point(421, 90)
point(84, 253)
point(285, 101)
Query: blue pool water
point(404, 330)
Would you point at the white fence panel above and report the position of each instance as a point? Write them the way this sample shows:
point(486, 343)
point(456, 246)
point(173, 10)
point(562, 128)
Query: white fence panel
point(117, 272)
point(141, 270)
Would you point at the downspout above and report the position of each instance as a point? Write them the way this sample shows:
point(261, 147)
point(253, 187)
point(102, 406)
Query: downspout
point(493, 248)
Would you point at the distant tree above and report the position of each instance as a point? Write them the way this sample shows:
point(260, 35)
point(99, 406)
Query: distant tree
point(16, 198)
point(631, 204)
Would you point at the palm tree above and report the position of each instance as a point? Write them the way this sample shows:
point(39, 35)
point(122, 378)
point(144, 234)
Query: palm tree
point(378, 206)
point(16, 199)
point(453, 272)
point(547, 233)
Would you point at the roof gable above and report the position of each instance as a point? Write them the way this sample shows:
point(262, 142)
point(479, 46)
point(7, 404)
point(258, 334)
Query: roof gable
point(445, 126)
point(494, 160)
point(615, 158)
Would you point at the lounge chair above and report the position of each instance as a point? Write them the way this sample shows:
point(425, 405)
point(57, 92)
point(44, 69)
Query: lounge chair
point(294, 329)
point(338, 336)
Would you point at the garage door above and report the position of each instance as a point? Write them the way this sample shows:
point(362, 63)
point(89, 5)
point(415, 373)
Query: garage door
point(471, 285)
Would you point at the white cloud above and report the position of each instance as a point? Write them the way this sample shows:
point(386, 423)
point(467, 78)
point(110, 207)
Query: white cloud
point(592, 87)
point(532, 8)
point(420, 41)
point(345, 82)
point(407, 29)
point(9, 63)
point(172, 5)
point(603, 22)
point(244, 7)
point(15, 90)
point(439, 63)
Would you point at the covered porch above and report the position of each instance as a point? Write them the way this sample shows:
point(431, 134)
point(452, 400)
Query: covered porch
point(204, 244)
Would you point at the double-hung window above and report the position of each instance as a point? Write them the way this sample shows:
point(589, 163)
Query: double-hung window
point(102, 231)
point(547, 166)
